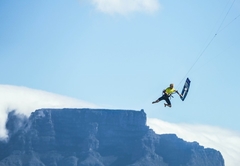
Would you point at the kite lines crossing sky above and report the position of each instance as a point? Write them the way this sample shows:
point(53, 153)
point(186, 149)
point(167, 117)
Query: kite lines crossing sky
point(220, 29)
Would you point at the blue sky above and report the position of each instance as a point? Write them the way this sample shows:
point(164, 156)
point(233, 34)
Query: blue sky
point(121, 54)
point(124, 58)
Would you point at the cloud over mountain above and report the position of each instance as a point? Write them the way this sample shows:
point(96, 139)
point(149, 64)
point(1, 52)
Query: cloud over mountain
point(25, 100)
point(226, 141)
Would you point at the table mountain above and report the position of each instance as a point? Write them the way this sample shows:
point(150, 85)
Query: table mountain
point(96, 137)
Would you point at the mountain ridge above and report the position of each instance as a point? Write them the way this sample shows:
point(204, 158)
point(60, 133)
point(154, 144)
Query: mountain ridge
point(100, 137)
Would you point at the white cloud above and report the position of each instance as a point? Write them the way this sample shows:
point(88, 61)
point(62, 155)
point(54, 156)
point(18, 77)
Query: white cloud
point(223, 140)
point(25, 100)
point(124, 7)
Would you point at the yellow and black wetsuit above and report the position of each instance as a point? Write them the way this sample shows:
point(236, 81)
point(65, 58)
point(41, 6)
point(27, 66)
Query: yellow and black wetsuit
point(166, 94)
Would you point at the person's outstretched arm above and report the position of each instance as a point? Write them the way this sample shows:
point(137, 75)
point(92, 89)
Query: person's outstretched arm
point(179, 93)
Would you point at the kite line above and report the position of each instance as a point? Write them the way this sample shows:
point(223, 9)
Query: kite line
point(220, 29)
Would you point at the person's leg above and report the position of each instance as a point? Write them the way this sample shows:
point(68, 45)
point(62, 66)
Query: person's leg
point(159, 99)
point(168, 102)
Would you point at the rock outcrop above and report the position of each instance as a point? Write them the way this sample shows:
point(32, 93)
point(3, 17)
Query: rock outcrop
point(96, 137)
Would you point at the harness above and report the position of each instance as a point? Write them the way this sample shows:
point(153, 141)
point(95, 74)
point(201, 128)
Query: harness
point(169, 96)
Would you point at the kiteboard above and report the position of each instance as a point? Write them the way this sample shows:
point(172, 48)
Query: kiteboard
point(185, 89)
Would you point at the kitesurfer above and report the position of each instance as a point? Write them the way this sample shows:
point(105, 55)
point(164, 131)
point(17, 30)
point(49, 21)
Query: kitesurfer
point(167, 93)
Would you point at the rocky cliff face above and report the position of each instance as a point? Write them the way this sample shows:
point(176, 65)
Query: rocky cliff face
point(96, 137)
